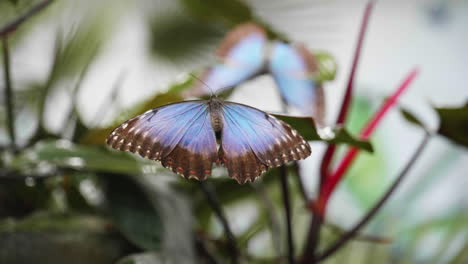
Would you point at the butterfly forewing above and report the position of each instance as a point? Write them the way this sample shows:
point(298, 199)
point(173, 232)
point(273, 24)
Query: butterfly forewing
point(179, 135)
point(253, 141)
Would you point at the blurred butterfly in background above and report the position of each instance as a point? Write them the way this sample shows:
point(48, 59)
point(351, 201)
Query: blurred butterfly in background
point(246, 53)
point(184, 136)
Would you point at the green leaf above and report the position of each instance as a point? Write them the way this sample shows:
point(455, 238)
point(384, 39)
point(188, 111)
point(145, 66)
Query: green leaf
point(151, 214)
point(411, 118)
point(133, 212)
point(454, 124)
point(306, 127)
point(64, 154)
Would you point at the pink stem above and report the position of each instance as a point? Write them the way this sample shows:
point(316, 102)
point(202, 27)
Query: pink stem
point(335, 178)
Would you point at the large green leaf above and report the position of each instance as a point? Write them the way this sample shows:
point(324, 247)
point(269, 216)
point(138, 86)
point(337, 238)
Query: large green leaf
point(454, 124)
point(306, 127)
point(133, 212)
point(151, 214)
point(64, 154)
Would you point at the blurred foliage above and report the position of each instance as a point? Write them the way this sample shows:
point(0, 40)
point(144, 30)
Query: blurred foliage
point(228, 12)
point(367, 178)
point(53, 154)
point(143, 258)
point(178, 38)
point(58, 238)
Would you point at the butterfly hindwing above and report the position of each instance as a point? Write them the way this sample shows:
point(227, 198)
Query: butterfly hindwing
point(293, 68)
point(253, 141)
point(179, 135)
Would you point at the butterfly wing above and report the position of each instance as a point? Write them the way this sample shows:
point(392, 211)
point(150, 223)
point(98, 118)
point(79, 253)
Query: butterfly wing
point(292, 68)
point(252, 141)
point(242, 54)
point(179, 135)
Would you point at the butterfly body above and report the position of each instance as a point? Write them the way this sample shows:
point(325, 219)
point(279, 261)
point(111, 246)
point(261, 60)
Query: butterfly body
point(189, 136)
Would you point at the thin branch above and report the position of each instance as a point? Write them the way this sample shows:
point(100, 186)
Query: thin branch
point(312, 239)
point(9, 100)
point(13, 25)
point(359, 237)
point(300, 182)
point(349, 235)
point(287, 212)
point(216, 206)
point(200, 246)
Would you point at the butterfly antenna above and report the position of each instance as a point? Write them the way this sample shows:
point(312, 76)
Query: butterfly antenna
point(204, 83)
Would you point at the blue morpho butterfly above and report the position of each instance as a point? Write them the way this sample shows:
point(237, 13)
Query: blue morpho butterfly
point(185, 137)
point(246, 53)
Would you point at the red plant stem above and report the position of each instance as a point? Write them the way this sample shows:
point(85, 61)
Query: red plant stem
point(328, 156)
point(348, 159)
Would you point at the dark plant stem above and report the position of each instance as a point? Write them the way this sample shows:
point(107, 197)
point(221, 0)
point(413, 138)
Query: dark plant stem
point(371, 213)
point(287, 212)
point(9, 93)
point(312, 239)
point(210, 259)
point(13, 25)
point(216, 206)
point(300, 182)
